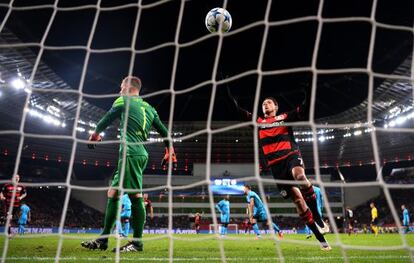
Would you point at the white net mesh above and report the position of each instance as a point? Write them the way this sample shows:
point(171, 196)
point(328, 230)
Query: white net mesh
point(215, 81)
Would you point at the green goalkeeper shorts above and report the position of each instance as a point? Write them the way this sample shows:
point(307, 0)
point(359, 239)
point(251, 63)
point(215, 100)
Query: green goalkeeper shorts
point(134, 170)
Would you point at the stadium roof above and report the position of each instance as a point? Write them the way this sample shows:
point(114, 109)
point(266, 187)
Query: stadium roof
point(341, 98)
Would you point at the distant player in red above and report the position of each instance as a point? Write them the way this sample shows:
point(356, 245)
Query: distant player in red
point(247, 226)
point(197, 222)
point(6, 196)
point(283, 157)
point(148, 208)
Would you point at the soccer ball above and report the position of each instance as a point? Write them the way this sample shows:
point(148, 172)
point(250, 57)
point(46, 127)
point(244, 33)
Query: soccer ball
point(216, 17)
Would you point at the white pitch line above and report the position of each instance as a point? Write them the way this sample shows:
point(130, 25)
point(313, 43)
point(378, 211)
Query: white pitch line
point(237, 259)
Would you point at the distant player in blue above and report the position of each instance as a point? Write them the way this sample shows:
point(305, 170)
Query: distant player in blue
point(125, 216)
point(224, 207)
point(319, 203)
point(24, 217)
point(405, 219)
point(257, 212)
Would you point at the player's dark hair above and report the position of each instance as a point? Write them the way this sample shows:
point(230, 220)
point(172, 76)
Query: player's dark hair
point(272, 99)
point(248, 187)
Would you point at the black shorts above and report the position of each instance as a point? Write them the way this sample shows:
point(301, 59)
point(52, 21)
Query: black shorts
point(350, 223)
point(283, 171)
point(374, 222)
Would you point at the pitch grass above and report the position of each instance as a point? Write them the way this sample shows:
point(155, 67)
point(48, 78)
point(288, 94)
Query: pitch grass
point(206, 248)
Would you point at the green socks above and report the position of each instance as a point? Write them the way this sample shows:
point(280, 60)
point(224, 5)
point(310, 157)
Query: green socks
point(138, 216)
point(110, 215)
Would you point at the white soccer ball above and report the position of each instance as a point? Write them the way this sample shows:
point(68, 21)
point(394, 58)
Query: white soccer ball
point(216, 17)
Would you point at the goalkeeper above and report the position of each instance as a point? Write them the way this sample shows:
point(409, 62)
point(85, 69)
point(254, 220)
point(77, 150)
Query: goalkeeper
point(141, 116)
point(283, 157)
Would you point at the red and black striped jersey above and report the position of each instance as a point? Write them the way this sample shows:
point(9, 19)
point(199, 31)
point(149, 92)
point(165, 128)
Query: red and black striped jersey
point(276, 139)
point(7, 191)
point(197, 219)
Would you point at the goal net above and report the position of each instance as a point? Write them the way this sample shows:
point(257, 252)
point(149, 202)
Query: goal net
point(62, 63)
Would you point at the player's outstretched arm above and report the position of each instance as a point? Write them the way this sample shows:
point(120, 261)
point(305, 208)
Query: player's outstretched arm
point(24, 194)
point(169, 149)
point(106, 120)
point(302, 111)
point(250, 209)
point(243, 114)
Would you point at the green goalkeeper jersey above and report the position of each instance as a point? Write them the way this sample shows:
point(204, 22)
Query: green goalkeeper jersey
point(141, 117)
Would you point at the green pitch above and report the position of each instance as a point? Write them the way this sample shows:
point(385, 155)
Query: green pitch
point(206, 248)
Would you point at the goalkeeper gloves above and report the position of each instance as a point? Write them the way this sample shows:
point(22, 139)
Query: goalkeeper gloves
point(94, 138)
point(169, 154)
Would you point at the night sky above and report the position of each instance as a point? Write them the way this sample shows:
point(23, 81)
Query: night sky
point(343, 45)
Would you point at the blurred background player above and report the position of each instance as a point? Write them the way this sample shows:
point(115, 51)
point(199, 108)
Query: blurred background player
point(6, 196)
point(149, 210)
point(197, 222)
point(320, 204)
point(257, 212)
point(123, 224)
point(284, 159)
point(141, 117)
point(349, 216)
point(224, 208)
point(247, 226)
point(405, 219)
point(374, 218)
point(24, 217)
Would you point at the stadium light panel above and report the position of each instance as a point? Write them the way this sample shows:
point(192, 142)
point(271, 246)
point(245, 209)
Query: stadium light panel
point(400, 120)
point(357, 133)
point(18, 83)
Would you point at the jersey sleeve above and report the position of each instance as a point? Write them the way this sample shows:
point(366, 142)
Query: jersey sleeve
point(160, 127)
point(114, 113)
point(295, 115)
point(249, 197)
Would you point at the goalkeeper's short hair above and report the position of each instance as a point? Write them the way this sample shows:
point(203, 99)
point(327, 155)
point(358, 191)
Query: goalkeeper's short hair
point(133, 81)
